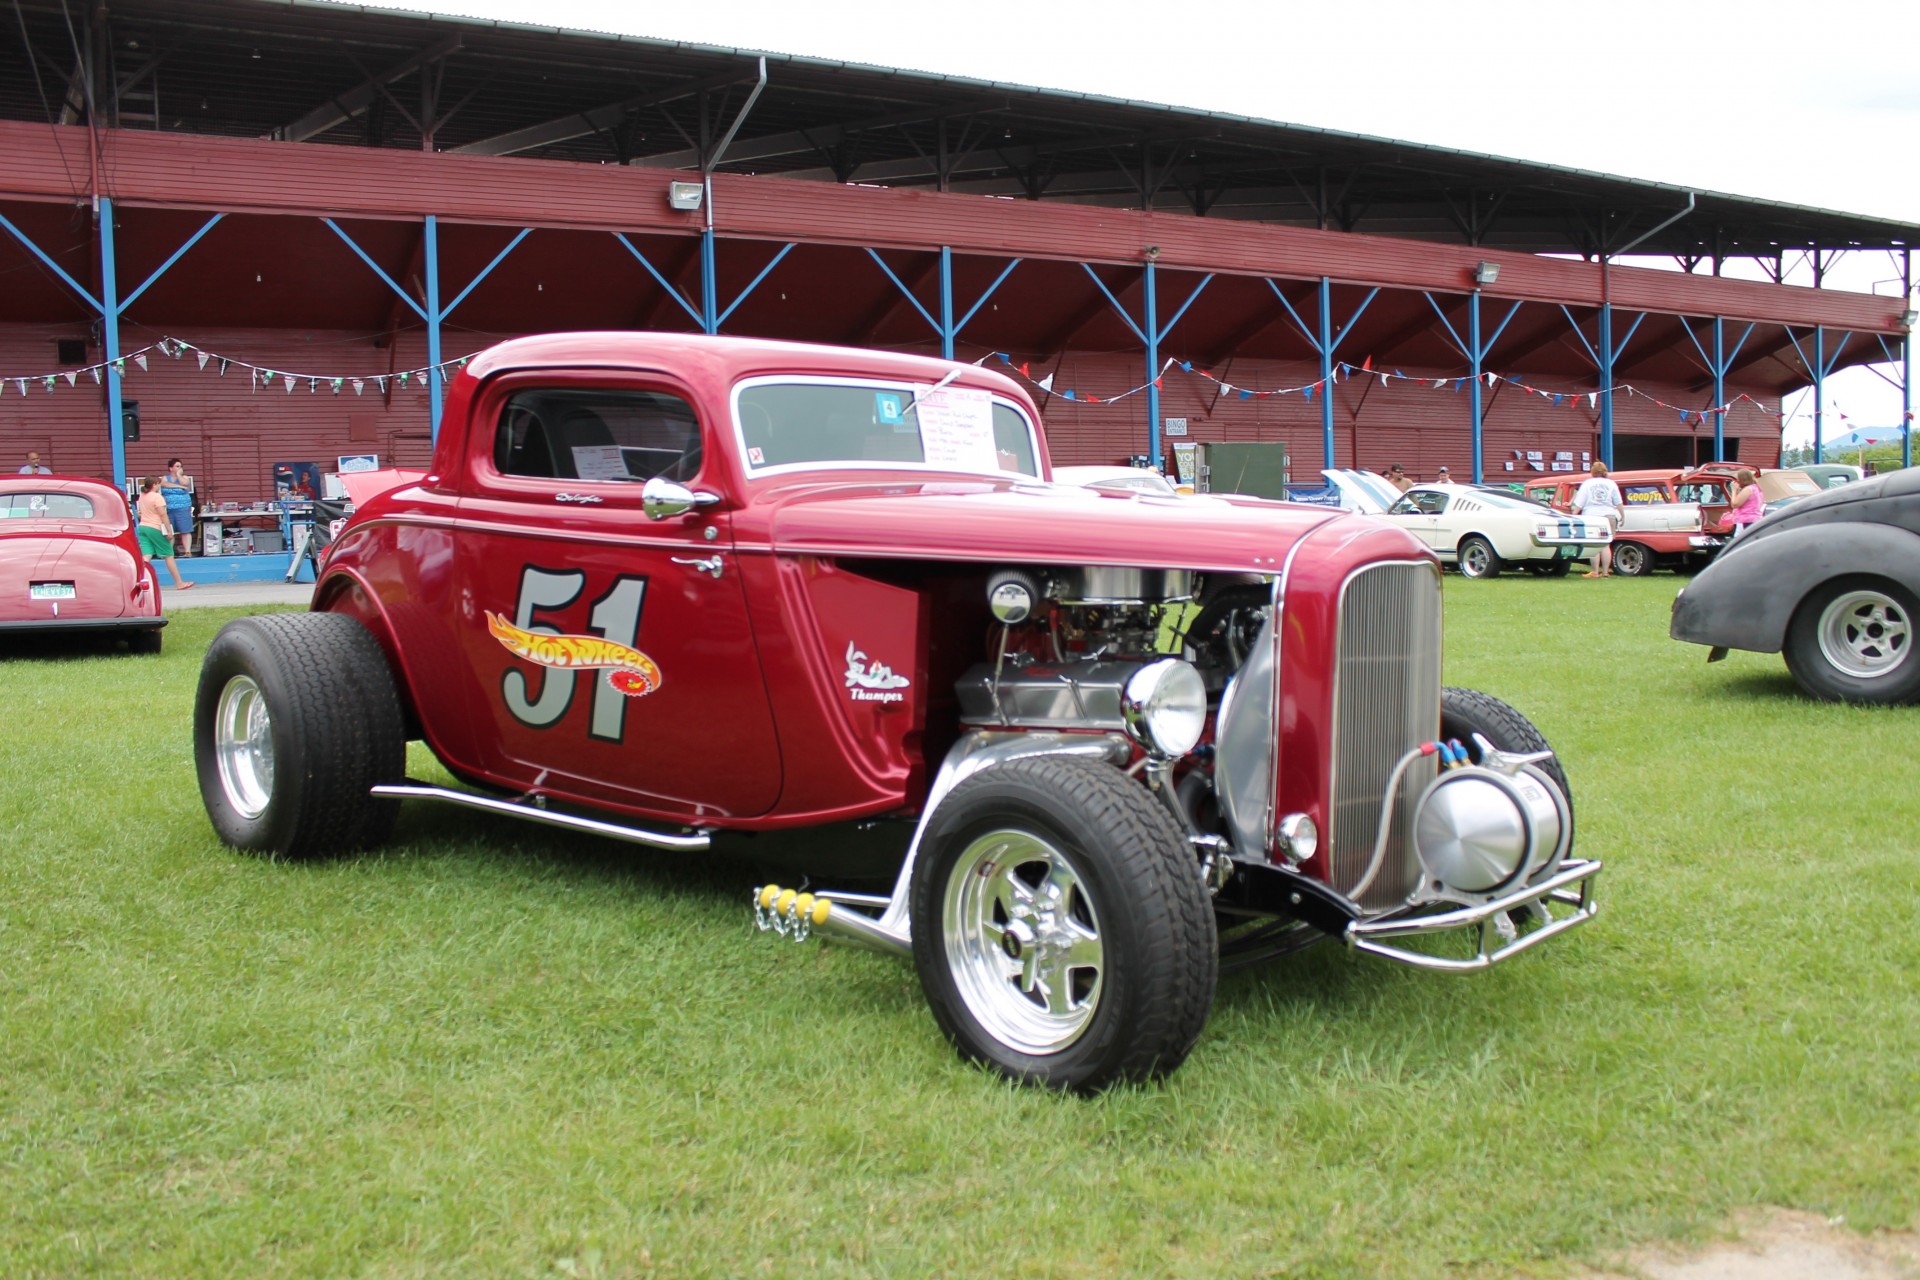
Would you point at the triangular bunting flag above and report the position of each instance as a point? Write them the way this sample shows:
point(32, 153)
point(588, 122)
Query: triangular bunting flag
point(73, 377)
point(141, 360)
point(201, 356)
point(359, 385)
point(1046, 383)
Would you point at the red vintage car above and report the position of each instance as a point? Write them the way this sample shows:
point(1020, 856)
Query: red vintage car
point(70, 562)
point(683, 591)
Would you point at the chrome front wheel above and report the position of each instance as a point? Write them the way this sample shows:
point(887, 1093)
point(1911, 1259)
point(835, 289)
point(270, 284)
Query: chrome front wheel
point(1023, 941)
point(243, 746)
point(1061, 928)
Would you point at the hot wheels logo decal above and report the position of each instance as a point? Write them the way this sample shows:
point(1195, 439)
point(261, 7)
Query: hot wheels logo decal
point(628, 670)
point(871, 681)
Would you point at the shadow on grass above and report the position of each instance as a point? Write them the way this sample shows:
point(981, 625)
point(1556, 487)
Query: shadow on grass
point(64, 646)
point(1775, 686)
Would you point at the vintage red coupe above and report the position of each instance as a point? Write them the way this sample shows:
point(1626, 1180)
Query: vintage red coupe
point(687, 590)
point(69, 562)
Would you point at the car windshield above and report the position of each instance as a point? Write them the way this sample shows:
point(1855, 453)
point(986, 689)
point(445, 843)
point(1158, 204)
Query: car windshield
point(820, 423)
point(45, 506)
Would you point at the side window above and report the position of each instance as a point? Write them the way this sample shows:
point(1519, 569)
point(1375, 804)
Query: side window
point(583, 434)
point(1542, 494)
point(1013, 441)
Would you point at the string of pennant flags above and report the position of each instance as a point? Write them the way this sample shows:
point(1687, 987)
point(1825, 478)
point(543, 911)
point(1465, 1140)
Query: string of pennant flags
point(1344, 371)
point(258, 375)
point(263, 376)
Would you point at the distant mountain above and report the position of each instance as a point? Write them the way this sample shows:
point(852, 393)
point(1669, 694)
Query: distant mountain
point(1863, 437)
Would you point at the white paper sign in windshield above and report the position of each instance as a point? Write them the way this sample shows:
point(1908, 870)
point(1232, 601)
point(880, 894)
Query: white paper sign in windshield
point(956, 429)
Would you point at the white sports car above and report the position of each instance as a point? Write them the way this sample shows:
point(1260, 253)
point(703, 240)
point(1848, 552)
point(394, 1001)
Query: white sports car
point(1483, 531)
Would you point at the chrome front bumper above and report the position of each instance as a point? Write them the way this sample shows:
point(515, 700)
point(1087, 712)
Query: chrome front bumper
point(1498, 939)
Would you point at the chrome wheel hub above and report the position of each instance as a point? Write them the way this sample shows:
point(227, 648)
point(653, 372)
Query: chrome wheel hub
point(243, 746)
point(1865, 634)
point(1023, 941)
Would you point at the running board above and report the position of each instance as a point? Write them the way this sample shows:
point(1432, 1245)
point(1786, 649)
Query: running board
point(694, 843)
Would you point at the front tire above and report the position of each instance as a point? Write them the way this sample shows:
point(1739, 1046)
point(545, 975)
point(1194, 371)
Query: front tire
point(1465, 712)
point(1851, 640)
point(1631, 560)
point(1478, 559)
point(295, 721)
point(1060, 927)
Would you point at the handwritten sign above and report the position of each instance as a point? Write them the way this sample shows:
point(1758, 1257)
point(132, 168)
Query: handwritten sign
point(956, 429)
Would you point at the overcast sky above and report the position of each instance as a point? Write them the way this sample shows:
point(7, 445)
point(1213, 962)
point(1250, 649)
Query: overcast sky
point(1809, 104)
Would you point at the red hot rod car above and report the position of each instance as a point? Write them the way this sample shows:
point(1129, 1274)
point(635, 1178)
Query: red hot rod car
point(676, 589)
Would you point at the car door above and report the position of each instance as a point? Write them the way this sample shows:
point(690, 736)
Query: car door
point(614, 650)
point(1422, 513)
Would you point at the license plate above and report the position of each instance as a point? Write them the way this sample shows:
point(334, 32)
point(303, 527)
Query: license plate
point(50, 591)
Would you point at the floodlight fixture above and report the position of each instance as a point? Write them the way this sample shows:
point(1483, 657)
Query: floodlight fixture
point(684, 195)
point(1486, 273)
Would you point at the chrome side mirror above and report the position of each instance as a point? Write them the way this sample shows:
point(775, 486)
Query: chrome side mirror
point(661, 498)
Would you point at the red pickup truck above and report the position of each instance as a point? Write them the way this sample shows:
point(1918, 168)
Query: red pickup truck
point(680, 590)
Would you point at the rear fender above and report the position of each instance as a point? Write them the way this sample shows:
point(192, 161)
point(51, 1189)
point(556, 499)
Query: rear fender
point(343, 591)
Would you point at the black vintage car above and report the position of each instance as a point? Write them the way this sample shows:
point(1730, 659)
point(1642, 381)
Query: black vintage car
point(1832, 581)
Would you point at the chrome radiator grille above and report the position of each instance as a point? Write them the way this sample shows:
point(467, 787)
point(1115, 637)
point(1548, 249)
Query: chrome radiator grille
point(1386, 700)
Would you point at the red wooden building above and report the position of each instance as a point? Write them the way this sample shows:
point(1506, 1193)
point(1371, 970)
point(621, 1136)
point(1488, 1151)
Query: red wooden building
point(195, 195)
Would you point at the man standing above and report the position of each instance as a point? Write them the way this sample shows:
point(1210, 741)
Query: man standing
point(34, 466)
point(1445, 476)
point(1397, 477)
point(1598, 498)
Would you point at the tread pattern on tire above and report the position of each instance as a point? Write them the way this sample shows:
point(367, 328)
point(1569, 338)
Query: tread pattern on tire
point(1505, 727)
point(332, 694)
point(1172, 992)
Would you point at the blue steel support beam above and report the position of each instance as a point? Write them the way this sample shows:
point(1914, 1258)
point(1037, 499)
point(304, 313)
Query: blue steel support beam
point(946, 303)
point(110, 337)
point(709, 286)
point(981, 301)
point(1606, 383)
point(748, 291)
point(1152, 318)
point(1325, 343)
point(693, 313)
point(1820, 366)
point(1718, 363)
point(163, 268)
point(1476, 352)
point(434, 374)
point(85, 295)
point(1150, 338)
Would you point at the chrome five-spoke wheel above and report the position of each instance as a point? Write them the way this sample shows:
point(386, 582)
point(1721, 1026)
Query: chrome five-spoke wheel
point(1023, 941)
point(1865, 634)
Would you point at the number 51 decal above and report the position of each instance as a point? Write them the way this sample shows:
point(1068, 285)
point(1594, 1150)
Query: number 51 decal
point(616, 621)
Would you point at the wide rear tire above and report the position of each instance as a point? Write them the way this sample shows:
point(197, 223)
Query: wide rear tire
point(1061, 930)
point(295, 721)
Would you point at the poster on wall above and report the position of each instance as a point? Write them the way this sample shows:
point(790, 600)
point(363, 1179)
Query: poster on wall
point(296, 481)
point(1184, 461)
point(350, 463)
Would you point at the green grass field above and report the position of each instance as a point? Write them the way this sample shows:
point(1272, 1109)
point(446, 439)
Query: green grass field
point(500, 1051)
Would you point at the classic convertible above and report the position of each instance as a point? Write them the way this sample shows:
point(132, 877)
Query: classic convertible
point(1482, 532)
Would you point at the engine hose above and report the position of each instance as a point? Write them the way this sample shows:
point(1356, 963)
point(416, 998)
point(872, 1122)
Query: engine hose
point(1386, 815)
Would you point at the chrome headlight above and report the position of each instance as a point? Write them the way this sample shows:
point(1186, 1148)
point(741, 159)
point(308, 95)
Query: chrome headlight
point(1165, 708)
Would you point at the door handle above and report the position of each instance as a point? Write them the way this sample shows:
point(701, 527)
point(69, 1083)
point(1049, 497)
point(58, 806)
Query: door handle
point(709, 564)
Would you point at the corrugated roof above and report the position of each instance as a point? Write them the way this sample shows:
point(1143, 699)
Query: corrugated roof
point(344, 73)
